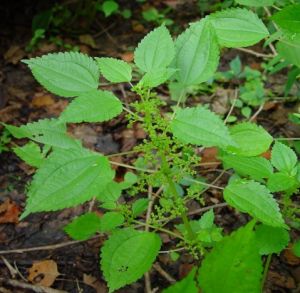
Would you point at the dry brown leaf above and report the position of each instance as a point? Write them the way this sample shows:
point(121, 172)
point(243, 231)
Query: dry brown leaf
point(209, 158)
point(14, 54)
point(290, 257)
point(42, 100)
point(43, 273)
point(94, 283)
point(9, 212)
point(127, 56)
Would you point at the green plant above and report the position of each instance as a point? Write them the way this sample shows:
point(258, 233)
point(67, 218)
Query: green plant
point(4, 140)
point(164, 178)
point(252, 92)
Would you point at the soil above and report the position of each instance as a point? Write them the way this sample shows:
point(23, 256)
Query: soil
point(23, 100)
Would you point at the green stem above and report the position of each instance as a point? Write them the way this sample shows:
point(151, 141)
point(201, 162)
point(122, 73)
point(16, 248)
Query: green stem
point(267, 265)
point(160, 229)
point(183, 215)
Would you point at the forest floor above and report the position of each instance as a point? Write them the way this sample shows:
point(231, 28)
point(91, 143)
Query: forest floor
point(33, 251)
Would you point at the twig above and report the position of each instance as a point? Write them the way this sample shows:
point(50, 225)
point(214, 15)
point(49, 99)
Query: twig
point(254, 53)
point(13, 272)
point(163, 273)
point(34, 288)
point(232, 105)
point(46, 247)
point(132, 167)
point(205, 184)
point(261, 107)
point(201, 210)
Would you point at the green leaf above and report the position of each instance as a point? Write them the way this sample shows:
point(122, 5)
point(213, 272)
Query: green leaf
point(233, 266)
point(197, 54)
point(200, 126)
point(238, 27)
point(110, 194)
point(271, 239)
point(255, 199)
point(288, 48)
point(95, 106)
point(155, 51)
point(157, 77)
point(252, 140)
point(30, 153)
point(47, 131)
point(114, 70)
point(256, 3)
point(83, 227)
point(288, 18)
point(296, 248)
point(127, 255)
point(110, 221)
point(186, 285)
point(129, 180)
point(281, 182)
point(66, 74)
point(283, 158)
point(67, 178)
point(254, 167)
point(139, 206)
point(109, 7)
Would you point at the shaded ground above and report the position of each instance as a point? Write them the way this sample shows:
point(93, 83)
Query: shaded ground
point(23, 100)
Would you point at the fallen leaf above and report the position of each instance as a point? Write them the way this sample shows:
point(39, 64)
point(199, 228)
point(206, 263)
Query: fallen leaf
point(14, 54)
point(266, 155)
point(127, 56)
point(94, 283)
point(9, 212)
point(209, 158)
point(42, 100)
point(87, 40)
point(281, 280)
point(43, 273)
point(290, 257)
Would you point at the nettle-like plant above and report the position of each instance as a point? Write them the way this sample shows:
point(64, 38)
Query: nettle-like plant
point(165, 175)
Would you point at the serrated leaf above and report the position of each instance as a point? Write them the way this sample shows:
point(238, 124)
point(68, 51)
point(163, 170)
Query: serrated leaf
point(30, 153)
point(255, 199)
point(47, 131)
point(110, 221)
point(238, 27)
point(271, 239)
point(67, 178)
point(83, 227)
point(66, 74)
point(281, 182)
point(155, 51)
point(139, 206)
point(197, 54)
point(256, 3)
point(114, 70)
point(288, 48)
point(200, 126)
point(157, 77)
point(95, 106)
point(254, 167)
point(288, 18)
point(110, 194)
point(127, 255)
point(252, 140)
point(283, 158)
point(186, 285)
point(233, 266)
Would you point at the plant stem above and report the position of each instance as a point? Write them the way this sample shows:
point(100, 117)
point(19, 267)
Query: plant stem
point(267, 265)
point(184, 217)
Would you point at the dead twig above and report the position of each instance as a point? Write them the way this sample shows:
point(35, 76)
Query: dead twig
point(163, 273)
point(46, 247)
point(34, 288)
point(254, 53)
point(201, 210)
